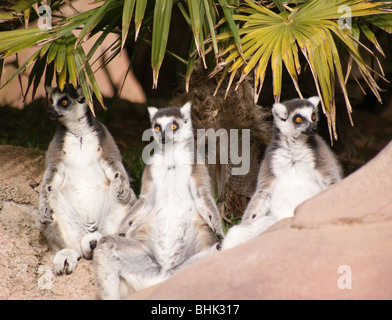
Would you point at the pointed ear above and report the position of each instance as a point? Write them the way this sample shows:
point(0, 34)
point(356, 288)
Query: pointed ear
point(279, 110)
point(152, 111)
point(49, 90)
point(81, 98)
point(314, 100)
point(79, 92)
point(186, 110)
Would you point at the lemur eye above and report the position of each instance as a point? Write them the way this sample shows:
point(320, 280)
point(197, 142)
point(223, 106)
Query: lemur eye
point(174, 126)
point(51, 102)
point(157, 127)
point(313, 117)
point(298, 119)
point(64, 102)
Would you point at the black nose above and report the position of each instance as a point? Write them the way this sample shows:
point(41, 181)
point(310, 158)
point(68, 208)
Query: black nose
point(52, 113)
point(312, 129)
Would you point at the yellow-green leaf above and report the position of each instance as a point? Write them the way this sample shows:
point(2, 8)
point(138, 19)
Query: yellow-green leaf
point(126, 19)
point(90, 75)
point(62, 76)
point(232, 25)
point(139, 15)
point(52, 52)
point(196, 13)
point(60, 56)
point(371, 36)
point(83, 80)
point(93, 20)
point(72, 71)
point(160, 33)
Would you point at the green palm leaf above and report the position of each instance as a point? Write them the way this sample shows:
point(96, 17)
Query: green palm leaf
point(384, 22)
point(126, 19)
point(139, 15)
point(160, 33)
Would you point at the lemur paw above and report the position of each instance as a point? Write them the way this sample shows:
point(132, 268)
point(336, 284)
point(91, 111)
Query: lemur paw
point(65, 261)
point(122, 188)
point(46, 215)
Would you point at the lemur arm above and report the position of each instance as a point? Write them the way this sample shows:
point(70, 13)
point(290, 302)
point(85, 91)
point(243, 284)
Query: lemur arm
point(260, 202)
point(119, 181)
point(327, 164)
point(50, 187)
point(258, 205)
point(205, 204)
point(53, 178)
point(139, 211)
point(113, 168)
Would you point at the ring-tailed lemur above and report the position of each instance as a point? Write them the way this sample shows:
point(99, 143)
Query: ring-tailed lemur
point(85, 191)
point(297, 165)
point(174, 222)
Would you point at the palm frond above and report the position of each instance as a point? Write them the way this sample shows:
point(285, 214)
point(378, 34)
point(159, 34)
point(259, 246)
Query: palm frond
point(160, 34)
point(126, 19)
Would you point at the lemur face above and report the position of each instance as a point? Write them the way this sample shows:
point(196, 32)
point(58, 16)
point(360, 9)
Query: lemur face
point(67, 104)
point(296, 117)
point(171, 124)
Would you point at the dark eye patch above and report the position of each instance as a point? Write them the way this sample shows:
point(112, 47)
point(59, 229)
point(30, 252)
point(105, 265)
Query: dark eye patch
point(63, 102)
point(298, 119)
point(157, 127)
point(174, 126)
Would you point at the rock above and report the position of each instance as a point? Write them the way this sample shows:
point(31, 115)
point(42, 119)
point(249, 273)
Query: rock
point(337, 246)
point(21, 172)
point(363, 197)
point(26, 270)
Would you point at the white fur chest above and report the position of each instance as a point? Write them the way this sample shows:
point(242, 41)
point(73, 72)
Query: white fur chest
point(296, 178)
point(85, 185)
point(294, 156)
point(172, 226)
point(82, 157)
point(80, 150)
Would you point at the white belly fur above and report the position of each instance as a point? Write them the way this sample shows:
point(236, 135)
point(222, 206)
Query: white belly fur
point(297, 184)
point(85, 187)
point(171, 226)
